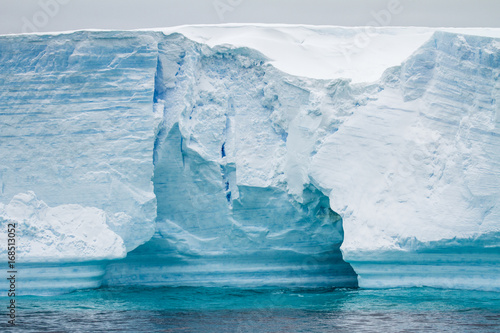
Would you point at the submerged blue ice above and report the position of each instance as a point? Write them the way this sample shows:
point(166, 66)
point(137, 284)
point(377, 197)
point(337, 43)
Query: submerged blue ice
point(139, 158)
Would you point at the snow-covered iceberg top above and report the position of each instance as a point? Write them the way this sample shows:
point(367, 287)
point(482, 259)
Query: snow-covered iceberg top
point(360, 54)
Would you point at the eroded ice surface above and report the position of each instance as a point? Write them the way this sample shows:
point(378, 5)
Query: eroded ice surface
point(241, 174)
point(420, 164)
point(68, 233)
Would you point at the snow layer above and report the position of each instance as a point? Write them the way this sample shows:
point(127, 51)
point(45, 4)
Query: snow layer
point(360, 54)
point(260, 176)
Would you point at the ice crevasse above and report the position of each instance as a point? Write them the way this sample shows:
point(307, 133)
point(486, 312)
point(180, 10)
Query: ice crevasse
point(149, 158)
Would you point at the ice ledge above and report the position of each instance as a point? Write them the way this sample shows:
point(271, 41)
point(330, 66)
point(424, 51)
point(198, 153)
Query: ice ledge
point(65, 233)
point(459, 263)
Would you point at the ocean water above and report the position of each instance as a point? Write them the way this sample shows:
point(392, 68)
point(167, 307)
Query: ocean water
point(264, 310)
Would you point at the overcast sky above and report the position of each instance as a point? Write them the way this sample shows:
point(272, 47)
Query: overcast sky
point(57, 15)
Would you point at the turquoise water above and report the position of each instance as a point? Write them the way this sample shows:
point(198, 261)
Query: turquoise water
point(263, 310)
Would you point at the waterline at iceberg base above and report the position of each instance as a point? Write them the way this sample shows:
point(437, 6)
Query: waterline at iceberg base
point(151, 158)
point(221, 310)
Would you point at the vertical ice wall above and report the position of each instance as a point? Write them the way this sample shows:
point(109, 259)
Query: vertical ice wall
point(76, 150)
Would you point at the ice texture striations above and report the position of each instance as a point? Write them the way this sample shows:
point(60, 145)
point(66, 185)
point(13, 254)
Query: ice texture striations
point(77, 128)
point(149, 158)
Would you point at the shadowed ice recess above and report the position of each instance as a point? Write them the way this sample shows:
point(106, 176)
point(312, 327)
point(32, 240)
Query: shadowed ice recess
point(147, 158)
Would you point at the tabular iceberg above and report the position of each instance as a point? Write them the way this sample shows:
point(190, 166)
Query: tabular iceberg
point(150, 158)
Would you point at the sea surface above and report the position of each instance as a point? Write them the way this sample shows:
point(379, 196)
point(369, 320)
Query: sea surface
point(264, 310)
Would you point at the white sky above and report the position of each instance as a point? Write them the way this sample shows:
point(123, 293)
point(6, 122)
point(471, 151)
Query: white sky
point(57, 15)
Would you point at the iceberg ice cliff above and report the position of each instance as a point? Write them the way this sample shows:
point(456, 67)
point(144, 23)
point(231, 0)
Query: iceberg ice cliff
point(151, 158)
point(416, 174)
point(76, 129)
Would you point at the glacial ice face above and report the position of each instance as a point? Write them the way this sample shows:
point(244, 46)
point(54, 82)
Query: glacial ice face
point(76, 129)
point(77, 124)
point(419, 165)
point(259, 176)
